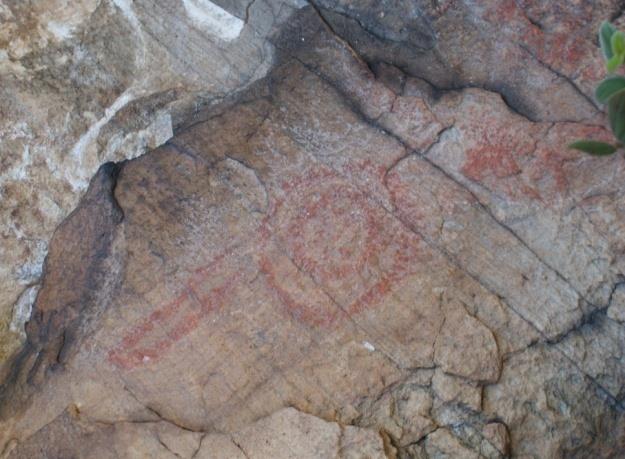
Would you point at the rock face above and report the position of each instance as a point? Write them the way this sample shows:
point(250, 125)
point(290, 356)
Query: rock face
point(382, 248)
point(90, 81)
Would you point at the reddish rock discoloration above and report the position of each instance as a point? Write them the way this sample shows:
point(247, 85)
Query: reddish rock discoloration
point(333, 235)
point(515, 158)
point(168, 324)
point(342, 240)
point(490, 160)
point(497, 152)
point(561, 43)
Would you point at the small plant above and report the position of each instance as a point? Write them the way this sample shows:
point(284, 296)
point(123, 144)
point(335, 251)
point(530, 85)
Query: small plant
point(610, 91)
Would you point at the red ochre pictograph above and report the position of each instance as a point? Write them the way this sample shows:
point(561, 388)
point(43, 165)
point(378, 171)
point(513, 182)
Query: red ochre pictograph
point(343, 240)
point(168, 324)
point(339, 240)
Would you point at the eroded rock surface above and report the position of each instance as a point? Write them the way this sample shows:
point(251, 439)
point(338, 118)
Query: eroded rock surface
point(349, 259)
point(90, 81)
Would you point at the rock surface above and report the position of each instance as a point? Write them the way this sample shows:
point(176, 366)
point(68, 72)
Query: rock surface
point(382, 248)
point(90, 81)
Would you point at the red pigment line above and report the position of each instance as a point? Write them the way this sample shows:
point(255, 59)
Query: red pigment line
point(299, 311)
point(169, 310)
point(312, 210)
point(204, 271)
point(306, 314)
point(491, 159)
point(300, 245)
point(126, 357)
point(384, 286)
point(374, 294)
point(403, 258)
point(147, 325)
point(138, 356)
point(161, 316)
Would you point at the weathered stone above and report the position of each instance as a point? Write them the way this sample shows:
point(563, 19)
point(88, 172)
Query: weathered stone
point(413, 405)
point(291, 434)
point(219, 446)
point(333, 256)
point(71, 436)
point(540, 390)
point(358, 443)
point(496, 434)
point(458, 390)
point(616, 310)
point(411, 119)
point(287, 433)
point(442, 444)
point(90, 81)
point(543, 60)
point(465, 347)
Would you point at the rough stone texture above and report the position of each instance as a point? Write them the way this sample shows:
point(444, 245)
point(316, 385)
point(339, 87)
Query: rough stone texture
point(291, 434)
point(616, 310)
point(381, 249)
point(286, 434)
point(464, 347)
point(90, 81)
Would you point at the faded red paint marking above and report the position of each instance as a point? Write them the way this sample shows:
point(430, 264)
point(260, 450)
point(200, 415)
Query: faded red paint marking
point(337, 236)
point(334, 236)
point(365, 168)
point(157, 333)
point(499, 152)
point(563, 43)
point(496, 164)
point(519, 161)
point(488, 160)
point(313, 312)
point(346, 229)
point(555, 166)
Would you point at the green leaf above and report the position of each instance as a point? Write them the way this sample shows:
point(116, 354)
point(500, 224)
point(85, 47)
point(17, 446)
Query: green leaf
point(618, 43)
point(614, 62)
point(593, 147)
point(608, 87)
point(616, 115)
point(605, 39)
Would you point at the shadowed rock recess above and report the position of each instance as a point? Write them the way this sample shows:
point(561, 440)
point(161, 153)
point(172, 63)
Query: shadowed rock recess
point(376, 247)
